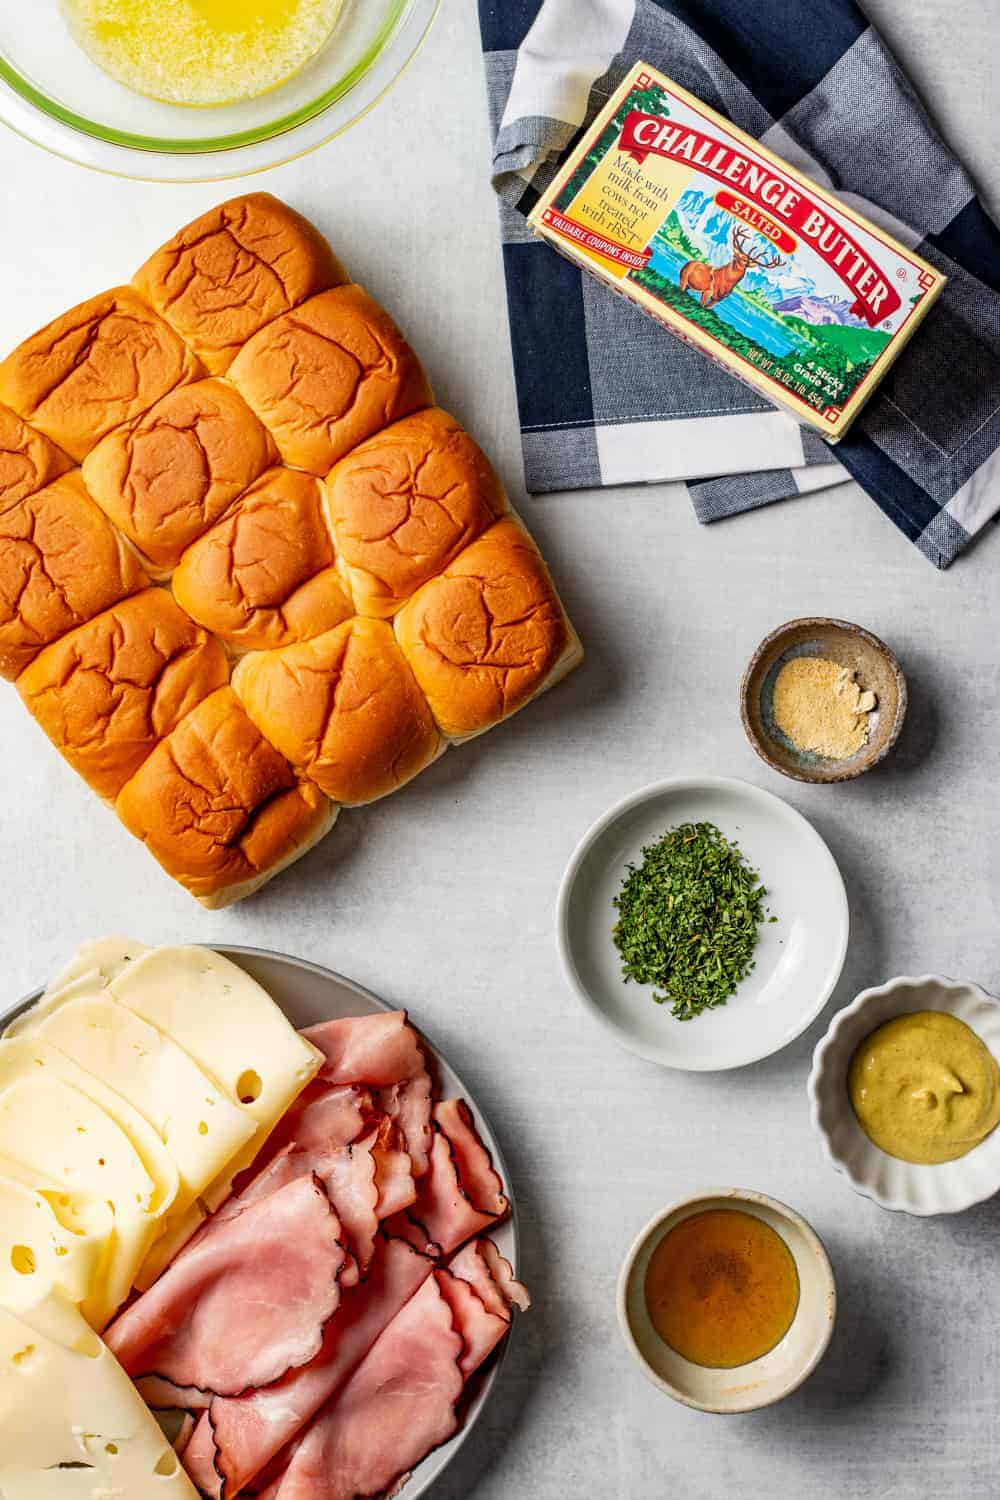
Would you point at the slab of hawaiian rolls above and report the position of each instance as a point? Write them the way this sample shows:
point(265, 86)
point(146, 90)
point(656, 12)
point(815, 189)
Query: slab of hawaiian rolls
point(488, 634)
point(265, 575)
point(344, 708)
point(219, 807)
point(98, 365)
point(328, 375)
point(107, 693)
point(233, 270)
point(404, 504)
point(28, 461)
point(61, 563)
point(168, 476)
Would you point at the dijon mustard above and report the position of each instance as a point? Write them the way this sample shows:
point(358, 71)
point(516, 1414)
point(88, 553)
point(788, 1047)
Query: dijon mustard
point(924, 1087)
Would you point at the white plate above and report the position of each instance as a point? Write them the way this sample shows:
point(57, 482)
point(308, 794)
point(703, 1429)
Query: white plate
point(307, 994)
point(798, 958)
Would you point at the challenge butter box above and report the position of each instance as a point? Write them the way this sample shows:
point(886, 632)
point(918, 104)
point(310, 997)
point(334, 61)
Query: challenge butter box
point(736, 252)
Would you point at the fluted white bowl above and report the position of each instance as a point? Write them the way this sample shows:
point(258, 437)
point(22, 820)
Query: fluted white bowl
point(946, 1188)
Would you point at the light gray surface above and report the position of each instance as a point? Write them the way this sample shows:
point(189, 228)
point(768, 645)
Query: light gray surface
point(442, 897)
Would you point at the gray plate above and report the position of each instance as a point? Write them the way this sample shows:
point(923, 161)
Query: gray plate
point(308, 994)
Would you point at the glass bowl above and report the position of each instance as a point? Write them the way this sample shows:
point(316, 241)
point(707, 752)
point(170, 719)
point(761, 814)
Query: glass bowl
point(52, 93)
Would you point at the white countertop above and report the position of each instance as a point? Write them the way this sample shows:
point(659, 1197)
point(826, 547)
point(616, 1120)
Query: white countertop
point(442, 898)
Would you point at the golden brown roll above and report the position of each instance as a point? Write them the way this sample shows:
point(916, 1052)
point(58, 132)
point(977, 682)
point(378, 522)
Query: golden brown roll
point(28, 461)
point(264, 576)
point(229, 273)
point(328, 375)
point(488, 634)
point(168, 476)
point(61, 563)
point(344, 709)
point(108, 691)
point(405, 503)
point(219, 808)
point(100, 364)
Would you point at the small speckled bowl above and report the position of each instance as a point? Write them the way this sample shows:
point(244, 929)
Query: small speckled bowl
point(777, 1373)
point(947, 1188)
point(875, 667)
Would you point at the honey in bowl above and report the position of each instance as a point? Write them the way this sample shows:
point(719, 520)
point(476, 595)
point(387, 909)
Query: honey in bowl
point(202, 52)
point(722, 1288)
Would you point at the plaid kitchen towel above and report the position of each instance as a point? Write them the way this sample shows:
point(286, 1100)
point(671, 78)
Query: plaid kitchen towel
point(606, 397)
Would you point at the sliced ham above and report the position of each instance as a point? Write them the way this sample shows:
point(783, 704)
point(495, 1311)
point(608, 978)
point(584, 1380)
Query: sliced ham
point(402, 1401)
point(236, 1439)
point(409, 1104)
point(393, 1170)
point(350, 1177)
point(350, 1173)
point(323, 1117)
point(399, 1404)
point(244, 1305)
point(481, 1329)
point(324, 1354)
point(378, 1050)
point(163, 1395)
point(491, 1276)
point(383, 1052)
point(461, 1195)
point(404, 1227)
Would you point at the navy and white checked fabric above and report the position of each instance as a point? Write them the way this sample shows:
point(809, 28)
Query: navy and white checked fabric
point(607, 397)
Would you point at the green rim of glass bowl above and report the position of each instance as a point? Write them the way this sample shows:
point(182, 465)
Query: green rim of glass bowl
point(204, 144)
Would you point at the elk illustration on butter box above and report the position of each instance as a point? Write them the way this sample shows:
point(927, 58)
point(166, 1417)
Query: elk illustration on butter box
point(736, 252)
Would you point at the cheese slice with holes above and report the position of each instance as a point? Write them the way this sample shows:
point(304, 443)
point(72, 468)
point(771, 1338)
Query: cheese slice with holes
point(226, 1021)
point(22, 1057)
point(80, 1213)
point(200, 1126)
point(92, 968)
point(86, 1221)
point(39, 1254)
point(64, 1399)
point(55, 1124)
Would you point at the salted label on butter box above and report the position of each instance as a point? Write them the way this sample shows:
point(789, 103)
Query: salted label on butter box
point(736, 252)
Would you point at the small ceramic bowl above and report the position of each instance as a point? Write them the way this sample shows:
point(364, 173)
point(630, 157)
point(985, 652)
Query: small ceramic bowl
point(797, 961)
point(777, 1373)
point(876, 668)
point(948, 1188)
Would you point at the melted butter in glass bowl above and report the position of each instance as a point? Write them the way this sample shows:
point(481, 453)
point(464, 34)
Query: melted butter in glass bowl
point(333, 61)
point(202, 52)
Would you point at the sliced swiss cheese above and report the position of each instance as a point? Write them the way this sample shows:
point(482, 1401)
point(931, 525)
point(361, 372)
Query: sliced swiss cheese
point(39, 1255)
point(200, 1126)
point(21, 1057)
point(92, 968)
point(80, 1213)
point(59, 1132)
point(64, 1399)
point(226, 1022)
